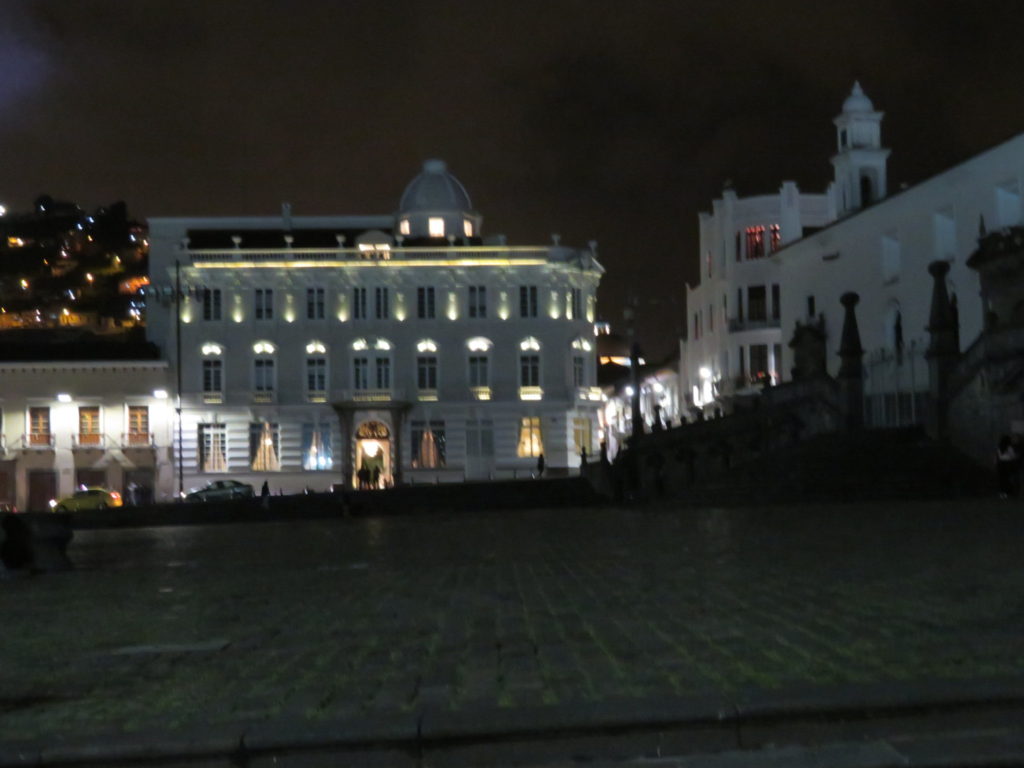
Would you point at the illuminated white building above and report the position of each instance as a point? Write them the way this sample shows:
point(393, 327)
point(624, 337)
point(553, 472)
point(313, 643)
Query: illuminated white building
point(312, 347)
point(770, 262)
point(94, 423)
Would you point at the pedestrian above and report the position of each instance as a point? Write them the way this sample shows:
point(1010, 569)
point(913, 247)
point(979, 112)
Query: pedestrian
point(540, 465)
point(583, 456)
point(1007, 467)
point(376, 478)
point(265, 495)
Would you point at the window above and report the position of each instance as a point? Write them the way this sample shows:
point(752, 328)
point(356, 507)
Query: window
point(426, 372)
point(435, 226)
point(316, 447)
point(530, 443)
point(575, 304)
point(359, 303)
point(381, 303)
point(138, 425)
point(758, 361)
point(582, 434)
point(212, 451)
point(578, 371)
point(478, 375)
point(39, 426)
point(360, 373)
point(213, 376)
point(757, 309)
point(467, 227)
point(755, 242)
point(425, 308)
point(263, 375)
point(211, 303)
point(264, 447)
point(383, 371)
point(528, 301)
point(529, 370)
point(776, 306)
point(315, 304)
point(316, 378)
point(891, 259)
point(776, 237)
point(480, 439)
point(403, 227)
point(89, 425)
point(264, 309)
point(478, 301)
point(428, 444)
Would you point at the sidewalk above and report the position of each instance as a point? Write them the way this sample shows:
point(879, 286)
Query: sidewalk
point(410, 634)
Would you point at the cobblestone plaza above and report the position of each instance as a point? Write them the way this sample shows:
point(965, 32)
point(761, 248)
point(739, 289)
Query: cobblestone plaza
point(176, 627)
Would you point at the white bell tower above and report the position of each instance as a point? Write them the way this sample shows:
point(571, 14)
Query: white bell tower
point(859, 162)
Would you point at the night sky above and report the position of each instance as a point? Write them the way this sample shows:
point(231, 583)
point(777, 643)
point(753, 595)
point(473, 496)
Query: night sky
point(612, 121)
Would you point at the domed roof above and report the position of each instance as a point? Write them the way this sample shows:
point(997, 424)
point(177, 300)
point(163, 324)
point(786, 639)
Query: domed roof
point(435, 189)
point(857, 101)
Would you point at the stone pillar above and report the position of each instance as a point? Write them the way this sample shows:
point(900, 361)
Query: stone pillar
point(634, 366)
point(942, 352)
point(345, 449)
point(851, 367)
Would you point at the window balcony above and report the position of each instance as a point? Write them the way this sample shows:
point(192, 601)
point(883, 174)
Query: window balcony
point(263, 397)
point(531, 393)
point(371, 395)
point(480, 393)
point(426, 395)
point(736, 324)
point(316, 396)
point(137, 440)
point(213, 397)
point(38, 441)
point(88, 441)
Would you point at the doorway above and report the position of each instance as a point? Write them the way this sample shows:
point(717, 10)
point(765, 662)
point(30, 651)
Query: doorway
point(372, 469)
point(42, 486)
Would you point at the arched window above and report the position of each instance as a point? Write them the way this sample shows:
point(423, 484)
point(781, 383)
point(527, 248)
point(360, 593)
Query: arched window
point(316, 372)
point(264, 375)
point(371, 364)
point(426, 369)
point(478, 361)
point(213, 372)
point(581, 349)
point(529, 369)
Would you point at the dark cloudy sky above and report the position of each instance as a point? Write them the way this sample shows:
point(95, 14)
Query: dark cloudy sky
point(613, 121)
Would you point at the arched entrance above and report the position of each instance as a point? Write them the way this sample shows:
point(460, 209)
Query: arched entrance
point(373, 456)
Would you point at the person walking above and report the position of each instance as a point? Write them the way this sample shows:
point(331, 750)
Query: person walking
point(265, 495)
point(540, 466)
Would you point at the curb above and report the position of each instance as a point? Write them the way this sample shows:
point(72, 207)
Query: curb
point(594, 732)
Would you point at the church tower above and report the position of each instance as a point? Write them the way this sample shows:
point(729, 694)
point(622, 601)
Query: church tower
point(859, 163)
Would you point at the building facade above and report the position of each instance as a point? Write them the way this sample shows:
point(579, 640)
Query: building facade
point(774, 262)
point(405, 345)
point(95, 423)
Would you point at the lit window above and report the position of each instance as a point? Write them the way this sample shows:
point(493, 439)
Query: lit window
point(776, 234)
point(428, 444)
point(264, 447)
point(530, 443)
point(212, 448)
point(435, 226)
point(89, 425)
point(755, 242)
point(316, 447)
point(403, 227)
point(467, 227)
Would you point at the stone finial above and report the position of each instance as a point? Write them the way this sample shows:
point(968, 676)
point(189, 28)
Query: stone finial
point(341, 240)
point(850, 349)
point(288, 240)
point(237, 240)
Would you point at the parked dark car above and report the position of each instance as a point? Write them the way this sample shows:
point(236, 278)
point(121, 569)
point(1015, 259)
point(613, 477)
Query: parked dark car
point(220, 490)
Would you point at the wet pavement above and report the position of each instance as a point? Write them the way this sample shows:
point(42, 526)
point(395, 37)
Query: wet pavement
point(316, 621)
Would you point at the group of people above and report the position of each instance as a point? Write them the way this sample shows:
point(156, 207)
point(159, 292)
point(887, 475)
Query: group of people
point(368, 479)
point(1008, 461)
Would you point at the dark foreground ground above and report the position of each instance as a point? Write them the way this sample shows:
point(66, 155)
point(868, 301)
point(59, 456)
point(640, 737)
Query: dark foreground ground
point(486, 623)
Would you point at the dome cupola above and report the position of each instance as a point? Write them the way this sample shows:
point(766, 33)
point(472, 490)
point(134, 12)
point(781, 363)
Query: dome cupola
point(435, 206)
point(858, 101)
